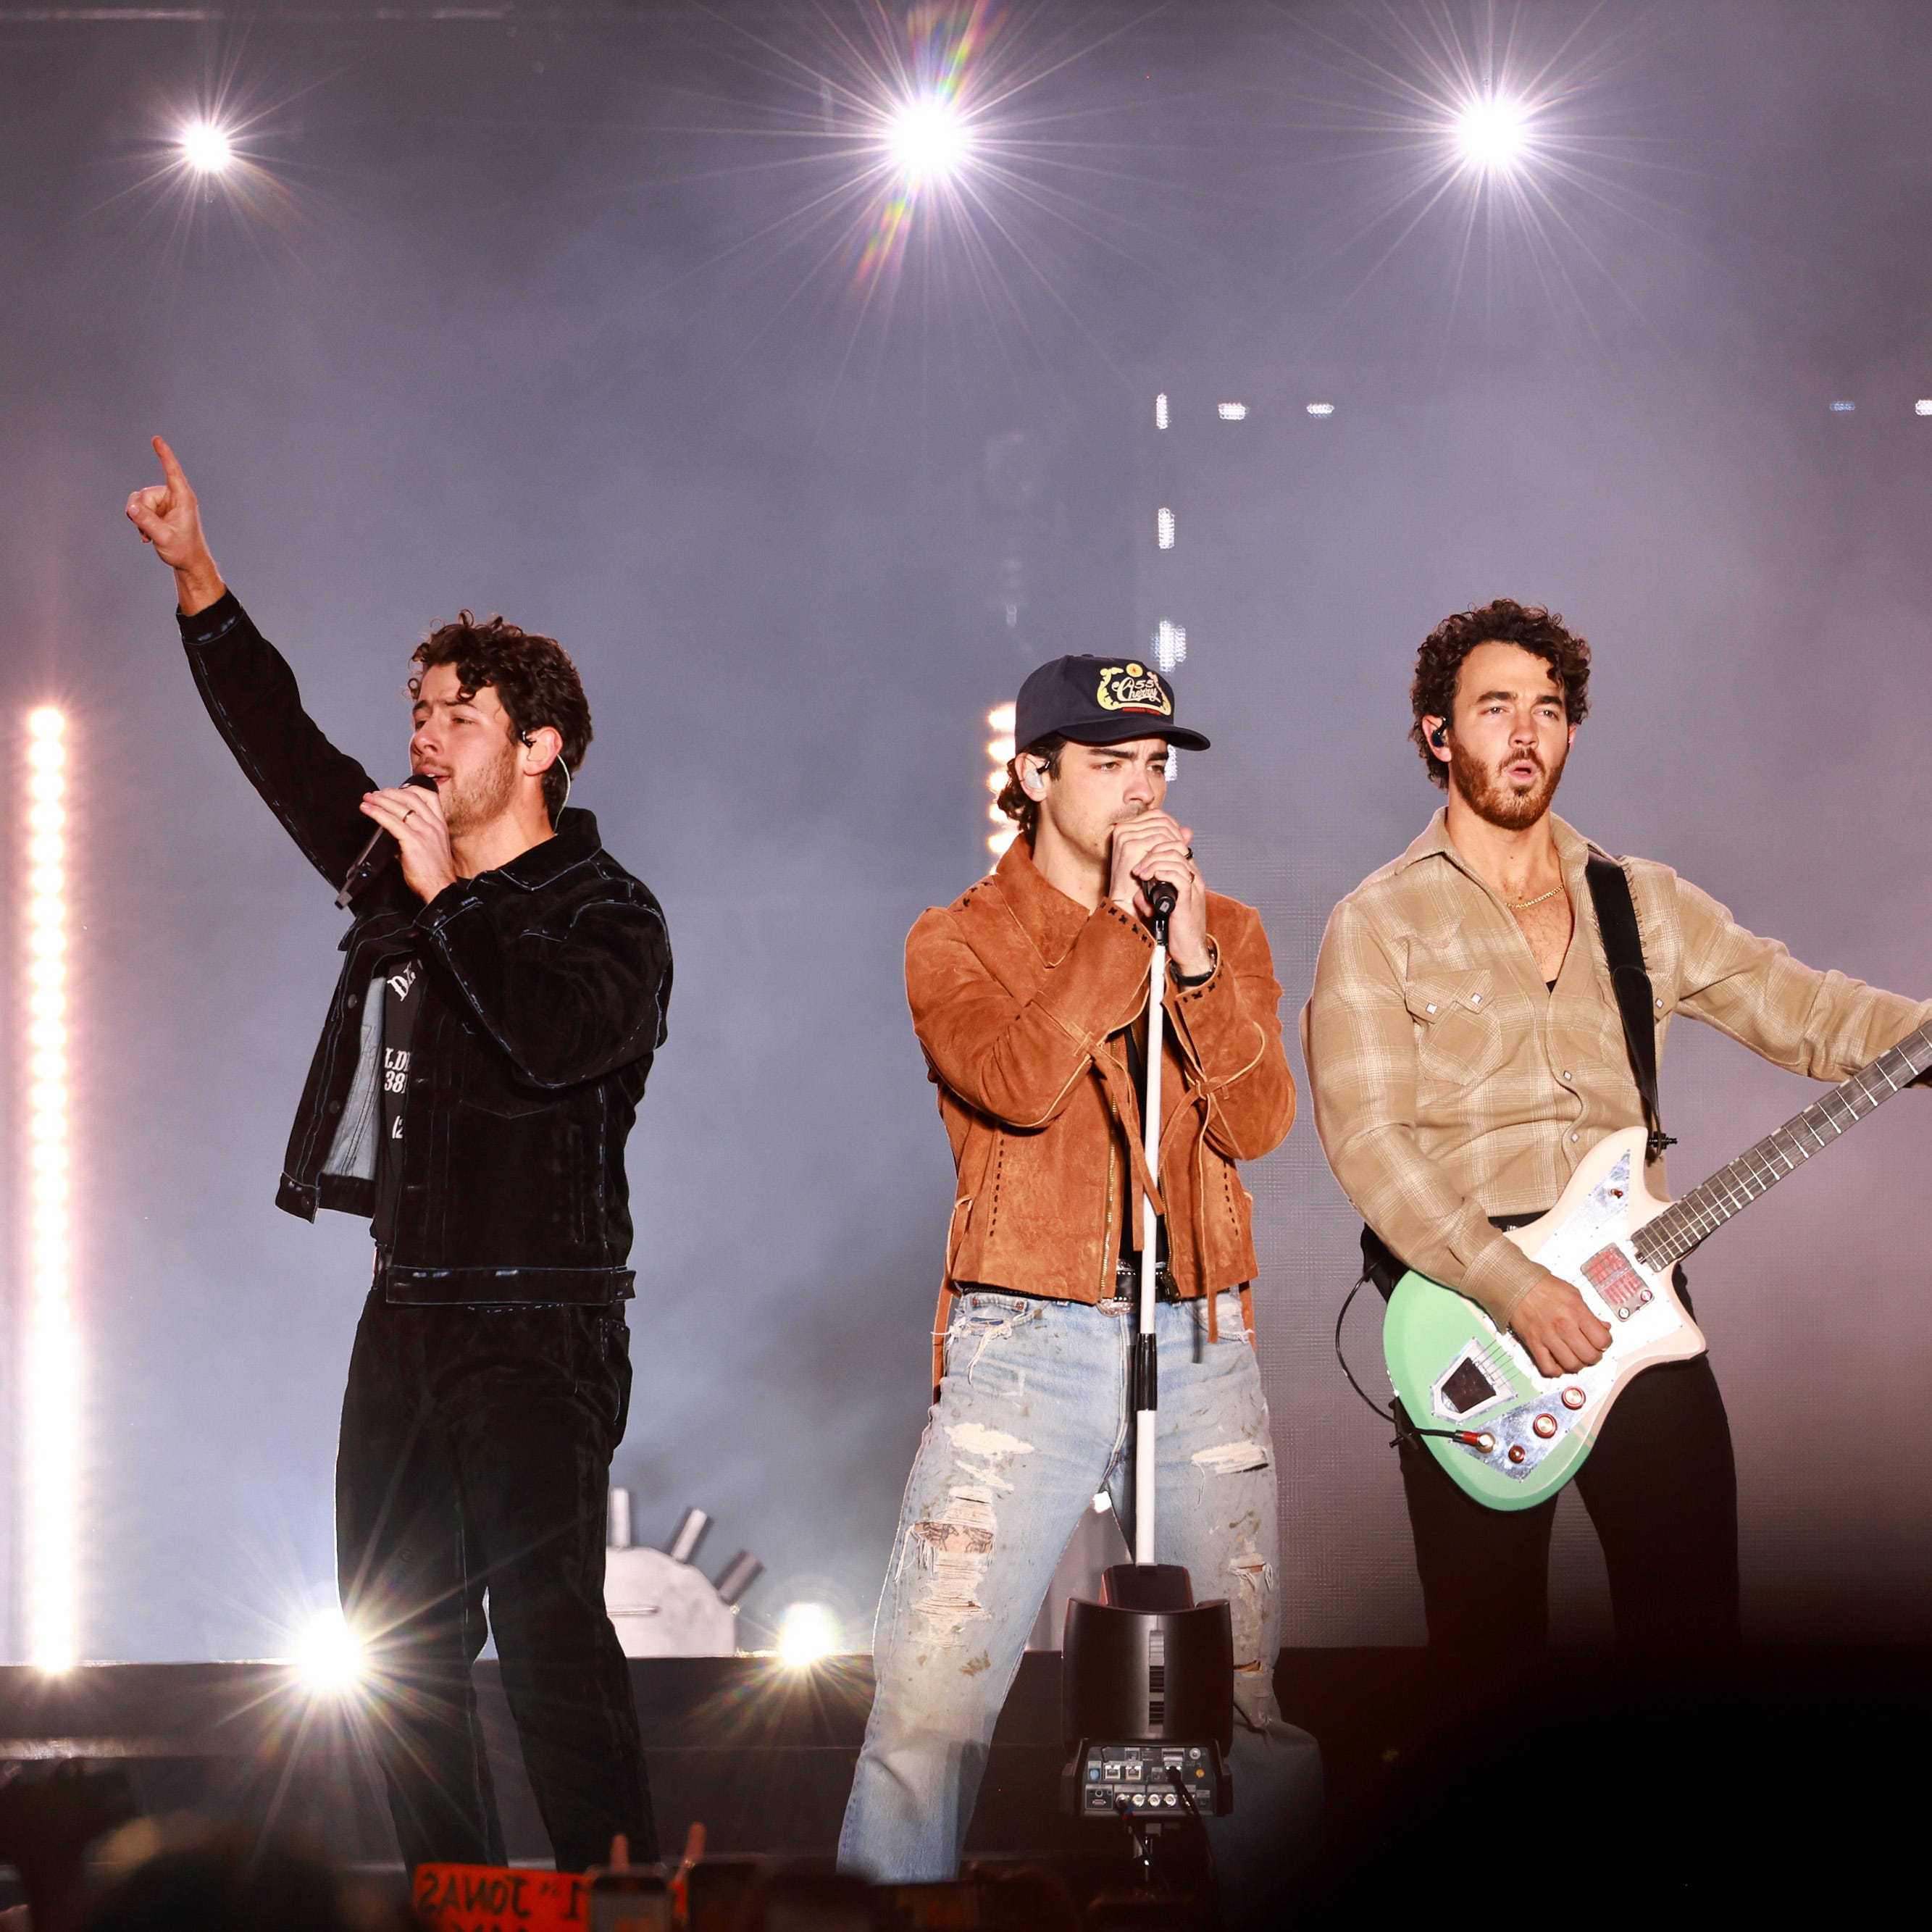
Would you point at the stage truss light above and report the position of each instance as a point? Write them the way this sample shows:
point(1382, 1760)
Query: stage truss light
point(1493, 132)
point(999, 749)
point(1160, 418)
point(1321, 408)
point(1170, 648)
point(207, 148)
point(807, 1634)
point(1163, 529)
point(929, 137)
point(49, 1392)
point(330, 1659)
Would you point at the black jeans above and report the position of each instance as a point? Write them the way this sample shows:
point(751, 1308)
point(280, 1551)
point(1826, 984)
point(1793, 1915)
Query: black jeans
point(1661, 1488)
point(474, 1456)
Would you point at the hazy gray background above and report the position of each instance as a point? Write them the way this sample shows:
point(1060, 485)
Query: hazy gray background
point(535, 318)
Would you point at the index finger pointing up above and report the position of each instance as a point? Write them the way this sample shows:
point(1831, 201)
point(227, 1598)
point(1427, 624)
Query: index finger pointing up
point(170, 466)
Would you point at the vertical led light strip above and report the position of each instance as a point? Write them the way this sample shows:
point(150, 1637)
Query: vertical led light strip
point(49, 1387)
point(999, 749)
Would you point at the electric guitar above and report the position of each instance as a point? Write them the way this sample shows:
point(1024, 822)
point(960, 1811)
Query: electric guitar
point(1509, 1436)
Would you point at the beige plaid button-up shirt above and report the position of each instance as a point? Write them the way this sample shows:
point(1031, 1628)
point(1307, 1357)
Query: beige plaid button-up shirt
point(1449, 1083)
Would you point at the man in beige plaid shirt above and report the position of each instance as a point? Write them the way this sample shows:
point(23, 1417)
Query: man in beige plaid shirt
point(1464, 1050)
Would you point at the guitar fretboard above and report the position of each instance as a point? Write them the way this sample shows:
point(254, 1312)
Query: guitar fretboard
point(1668, 1239)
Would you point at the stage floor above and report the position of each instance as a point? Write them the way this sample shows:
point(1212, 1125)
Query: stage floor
point(1788, 1763)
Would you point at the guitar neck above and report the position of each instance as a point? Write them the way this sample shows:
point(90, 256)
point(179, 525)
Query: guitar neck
point(1661, 1243)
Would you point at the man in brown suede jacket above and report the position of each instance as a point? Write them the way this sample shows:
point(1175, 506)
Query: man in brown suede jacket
point(1029, 995)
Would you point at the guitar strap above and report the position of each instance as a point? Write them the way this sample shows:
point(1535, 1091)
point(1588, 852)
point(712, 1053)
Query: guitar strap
point(1623, 951)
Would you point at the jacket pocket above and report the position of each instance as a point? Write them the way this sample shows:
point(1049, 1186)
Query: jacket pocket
point(1458, 1038)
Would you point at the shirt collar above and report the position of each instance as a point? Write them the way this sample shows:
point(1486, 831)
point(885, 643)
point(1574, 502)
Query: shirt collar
point(1052, 920)
point(575, 840)
point(1573, 849)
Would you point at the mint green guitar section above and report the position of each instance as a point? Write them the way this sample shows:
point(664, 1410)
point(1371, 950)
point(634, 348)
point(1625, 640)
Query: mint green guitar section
point(1427, 1328)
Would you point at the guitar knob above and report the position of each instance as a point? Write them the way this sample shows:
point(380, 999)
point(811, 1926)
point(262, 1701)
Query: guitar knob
point(1545, 1426)
point(1573, 1397)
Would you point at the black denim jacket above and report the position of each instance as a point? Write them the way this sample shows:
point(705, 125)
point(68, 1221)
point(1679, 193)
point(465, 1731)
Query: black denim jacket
point(546, 981)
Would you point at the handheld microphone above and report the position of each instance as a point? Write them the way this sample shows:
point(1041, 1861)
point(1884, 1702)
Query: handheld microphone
point(1160, 894)
point(381, 848)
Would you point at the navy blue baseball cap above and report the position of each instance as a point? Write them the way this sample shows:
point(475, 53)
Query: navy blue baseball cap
point(1098, 701)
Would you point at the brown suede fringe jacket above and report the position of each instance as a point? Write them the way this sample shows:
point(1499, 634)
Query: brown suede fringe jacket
point(1020, 998)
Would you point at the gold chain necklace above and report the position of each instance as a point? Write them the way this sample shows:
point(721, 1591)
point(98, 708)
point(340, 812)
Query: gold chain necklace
point(1523, 905)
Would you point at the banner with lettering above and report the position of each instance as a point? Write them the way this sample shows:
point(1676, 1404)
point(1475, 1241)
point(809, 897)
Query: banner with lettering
point(495, 1898)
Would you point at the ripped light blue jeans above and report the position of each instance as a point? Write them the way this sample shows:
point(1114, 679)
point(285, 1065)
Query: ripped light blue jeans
point(1031, 1424)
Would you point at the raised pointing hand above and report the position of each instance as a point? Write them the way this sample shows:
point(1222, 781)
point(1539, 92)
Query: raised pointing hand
point(169, 517)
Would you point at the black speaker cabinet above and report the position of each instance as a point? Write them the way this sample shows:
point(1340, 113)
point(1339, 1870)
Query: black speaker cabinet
point(1155, 1675)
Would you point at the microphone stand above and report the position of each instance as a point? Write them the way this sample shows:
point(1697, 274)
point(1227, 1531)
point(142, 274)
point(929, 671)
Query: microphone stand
point(1146, 1379)
point(1147, 1674)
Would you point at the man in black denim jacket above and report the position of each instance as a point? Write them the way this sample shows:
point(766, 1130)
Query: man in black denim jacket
point(503, 995)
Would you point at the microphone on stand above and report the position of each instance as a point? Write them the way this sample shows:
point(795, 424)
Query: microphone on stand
point(381, 848)
point(1160, 894)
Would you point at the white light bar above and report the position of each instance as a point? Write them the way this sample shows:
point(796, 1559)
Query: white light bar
point(1170, 645)
point(1321, 408)
point(999, 749)
point(1842, 409)
point(1160, 410)
point(50, 1391)
point(1232, 412)
point(1163, 530)
point(1923, 407)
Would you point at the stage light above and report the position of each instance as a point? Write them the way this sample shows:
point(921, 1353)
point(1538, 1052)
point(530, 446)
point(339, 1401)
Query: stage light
point(1232, 412)
point(1493, 134)
point(808, 1633)
point(1163, 529)
point(999, 749)
point(1842, 409)
point(1321, 408)
point(1923, 407)
point(329, 1656)
point(1170, 645)
point(50, 1380)
point(929, 137)
point(1160, 411)
point(206, 147)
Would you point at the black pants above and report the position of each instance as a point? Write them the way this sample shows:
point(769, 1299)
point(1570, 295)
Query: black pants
point(474, 1456)
point(1661, 1489)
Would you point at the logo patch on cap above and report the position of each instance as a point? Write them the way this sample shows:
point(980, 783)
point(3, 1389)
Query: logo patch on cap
point(1132, 687)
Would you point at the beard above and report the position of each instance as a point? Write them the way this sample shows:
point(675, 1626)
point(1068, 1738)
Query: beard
point(1498, 801)
point(473, 798)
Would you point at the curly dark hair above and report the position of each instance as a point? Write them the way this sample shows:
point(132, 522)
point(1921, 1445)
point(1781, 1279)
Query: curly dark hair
point(1529, 627)
point(533, 678)
point(1012, 800)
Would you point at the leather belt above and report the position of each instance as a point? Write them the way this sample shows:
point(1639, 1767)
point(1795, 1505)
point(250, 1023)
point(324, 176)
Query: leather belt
point(1127, 1278)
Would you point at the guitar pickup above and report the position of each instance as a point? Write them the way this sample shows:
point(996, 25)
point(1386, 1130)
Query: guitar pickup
point(1609, 1271)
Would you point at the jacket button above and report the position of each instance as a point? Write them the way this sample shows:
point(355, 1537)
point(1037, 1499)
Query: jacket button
point(335, 1106)
point(354, 1001)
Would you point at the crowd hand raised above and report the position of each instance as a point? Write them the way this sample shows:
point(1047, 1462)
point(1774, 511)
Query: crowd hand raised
point(169, 517)
point(1554, 1323)
point(1153, 846)
point(416, 817)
